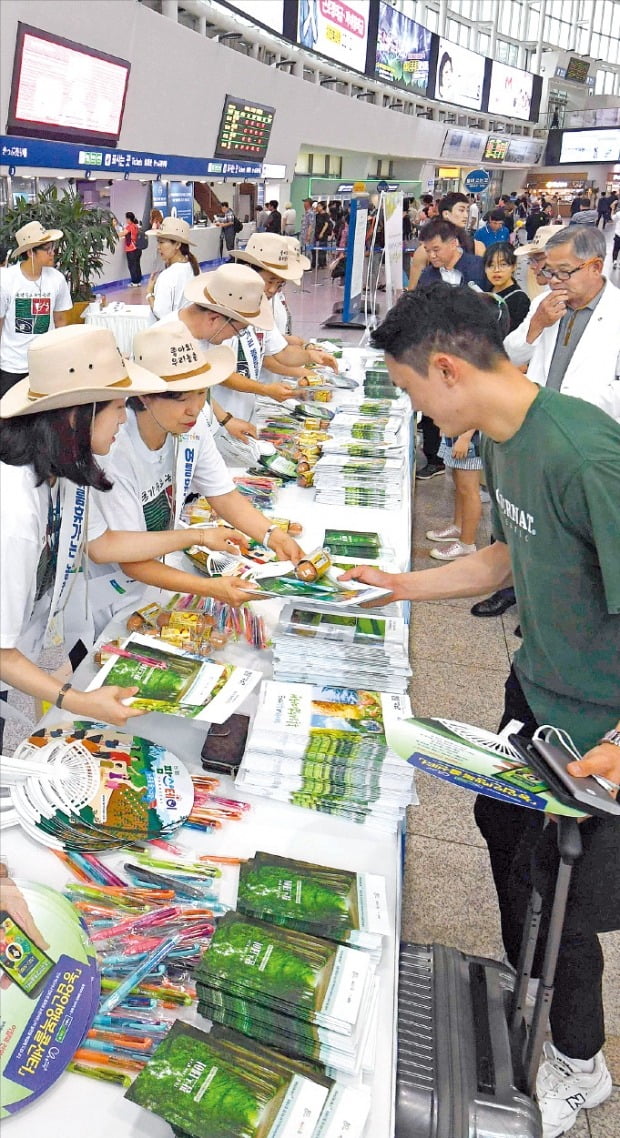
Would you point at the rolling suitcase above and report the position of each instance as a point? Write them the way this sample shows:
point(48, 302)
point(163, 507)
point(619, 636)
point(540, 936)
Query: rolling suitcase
point(467, 1061)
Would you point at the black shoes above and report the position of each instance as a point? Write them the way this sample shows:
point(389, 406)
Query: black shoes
point(431, 470)
point(495, 605)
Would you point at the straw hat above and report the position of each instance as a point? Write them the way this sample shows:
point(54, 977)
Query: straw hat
point(172, 353)
point(175, 229)
point(539, 240)
point(295, 253)
point(33, 234)
point(268, 251)
point(233, 291)
point(75, 365)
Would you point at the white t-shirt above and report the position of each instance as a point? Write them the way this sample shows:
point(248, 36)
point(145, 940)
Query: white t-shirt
point(289, 217)
point(451, 276)
point(170, 287)
point(251, 347)
point(473, 216)
point(28, 308)
point(24, 552)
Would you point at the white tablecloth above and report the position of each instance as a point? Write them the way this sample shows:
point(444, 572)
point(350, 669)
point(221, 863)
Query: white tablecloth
point(123, 319)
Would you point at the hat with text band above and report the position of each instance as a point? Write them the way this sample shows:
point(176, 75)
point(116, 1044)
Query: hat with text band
point(268, 251)
point(172, 353)
point(539, 240)
point(75, 365)
point(299, 258)
point(173, 229)
point(32, 235)
point(233, 291)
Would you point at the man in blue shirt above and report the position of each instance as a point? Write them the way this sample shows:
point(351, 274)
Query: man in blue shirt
point(447, 259)
point(494, 230)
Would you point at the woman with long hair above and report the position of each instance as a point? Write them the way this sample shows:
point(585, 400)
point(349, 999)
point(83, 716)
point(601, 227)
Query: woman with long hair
point(165, 288)
point(129, 233)
point(54, 426)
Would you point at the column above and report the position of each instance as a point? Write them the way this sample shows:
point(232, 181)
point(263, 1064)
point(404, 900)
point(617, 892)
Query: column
point(493, 44)
point(541, 36)
point(202, 25)
point(522, 33)
point(170, 8)
point(443, 16)
point(588, 14)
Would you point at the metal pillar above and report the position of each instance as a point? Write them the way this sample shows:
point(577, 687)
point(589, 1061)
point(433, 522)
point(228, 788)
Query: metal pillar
point(443, 16)
point(539, 43)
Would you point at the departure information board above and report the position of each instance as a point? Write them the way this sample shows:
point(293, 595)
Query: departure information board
point(244, 129)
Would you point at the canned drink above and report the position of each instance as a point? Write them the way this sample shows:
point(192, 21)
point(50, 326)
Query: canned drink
point(313, 566)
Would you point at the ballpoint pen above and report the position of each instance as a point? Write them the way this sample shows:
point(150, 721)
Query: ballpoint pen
point(104, 1074)
point(138, 974)
point(114, 651)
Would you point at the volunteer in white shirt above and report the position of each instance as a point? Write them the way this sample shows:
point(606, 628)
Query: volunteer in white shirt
point(34, 299)
point(166, 451)
point(165, 291)
point(54, 425)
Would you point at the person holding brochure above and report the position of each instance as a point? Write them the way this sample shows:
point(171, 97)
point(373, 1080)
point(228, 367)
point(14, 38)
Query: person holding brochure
point(165, 451)
point(55, 427)
point(552, 466)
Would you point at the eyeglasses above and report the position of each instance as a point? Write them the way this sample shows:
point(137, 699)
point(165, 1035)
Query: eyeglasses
point(565, 274)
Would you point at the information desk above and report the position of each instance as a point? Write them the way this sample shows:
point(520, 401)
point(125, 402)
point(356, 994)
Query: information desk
point(78, 1107)
point(124, 320)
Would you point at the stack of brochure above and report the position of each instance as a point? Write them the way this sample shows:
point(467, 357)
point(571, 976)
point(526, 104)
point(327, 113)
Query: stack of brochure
point(310, 997)
point(351, 648)
point(326, 748)
point(353, 473)
point(217, 1085)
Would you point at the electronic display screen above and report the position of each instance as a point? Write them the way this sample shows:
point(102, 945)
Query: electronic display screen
point(244, 129)
point(496, 149)
point(525, 150)
point(460, 75)
point(464, 145)
point(65, 91)
point(269, 13)
point(403, 50)
point(591, 145)
point(337, 29)
point(510, 92)
point(577, 69)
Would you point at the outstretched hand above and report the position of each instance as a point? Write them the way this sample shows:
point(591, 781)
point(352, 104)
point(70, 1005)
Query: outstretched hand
point(368, 575)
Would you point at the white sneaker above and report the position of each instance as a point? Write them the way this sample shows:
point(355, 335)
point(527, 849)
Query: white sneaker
point(562, 1091)
point(448, 533)
point(451, 552)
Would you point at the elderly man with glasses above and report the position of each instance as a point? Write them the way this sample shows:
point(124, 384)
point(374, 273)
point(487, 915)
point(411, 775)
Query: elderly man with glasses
point(570, 340)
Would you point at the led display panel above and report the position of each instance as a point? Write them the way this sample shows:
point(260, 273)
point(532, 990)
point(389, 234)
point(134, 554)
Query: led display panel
point(403, 50)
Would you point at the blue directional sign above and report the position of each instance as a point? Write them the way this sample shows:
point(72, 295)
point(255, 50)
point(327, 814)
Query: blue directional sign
point(477, 180)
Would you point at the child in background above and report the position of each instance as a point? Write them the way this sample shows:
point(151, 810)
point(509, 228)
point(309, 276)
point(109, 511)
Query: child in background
point(500, 263)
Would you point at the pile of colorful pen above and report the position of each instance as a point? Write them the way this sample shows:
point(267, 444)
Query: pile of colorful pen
point(149, 930)
point(233, 623)
point(210, 812)
point(260, 489)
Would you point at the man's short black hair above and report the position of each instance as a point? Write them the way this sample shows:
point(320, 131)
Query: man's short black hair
point(497, 215)
point(441, 318)
point(439, 227)
point(450, 200)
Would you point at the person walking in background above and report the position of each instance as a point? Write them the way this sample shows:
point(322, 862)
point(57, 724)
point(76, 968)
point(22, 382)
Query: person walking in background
point(603, 210)
point(322, 231)
point(494, 229)
point(585, 215)
point(306, 232)
point(262, 217)
point(500, 263)
point(474, 214)
point(616, 251)
point(34, 298)
point(155, 219)
point(289, 220)
point(226, 225)
point(129, 233)
point(274, 221)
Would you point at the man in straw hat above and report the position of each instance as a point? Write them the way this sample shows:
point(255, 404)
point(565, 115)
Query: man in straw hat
point(166, 451)
point(34, 299)
point(55, 427)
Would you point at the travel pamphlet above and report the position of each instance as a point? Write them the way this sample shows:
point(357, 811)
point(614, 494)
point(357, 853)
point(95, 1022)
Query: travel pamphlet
point(475, 759)
point(176, 682)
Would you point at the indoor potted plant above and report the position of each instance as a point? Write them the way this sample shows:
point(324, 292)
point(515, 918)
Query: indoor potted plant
point(88, 234)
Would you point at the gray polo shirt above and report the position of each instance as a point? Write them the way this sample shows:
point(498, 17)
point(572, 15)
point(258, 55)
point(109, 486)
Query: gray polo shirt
point(572, 327)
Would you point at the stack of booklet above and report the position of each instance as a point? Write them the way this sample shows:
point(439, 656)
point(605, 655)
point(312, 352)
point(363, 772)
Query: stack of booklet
point(326, 748)
point(351, 648)
point(353, 473)
point(309, 997)
point(217, 1085)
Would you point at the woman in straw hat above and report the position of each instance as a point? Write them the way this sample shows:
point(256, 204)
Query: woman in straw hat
point(165, 289)
point(34, 298)
point(55, 425)
point(165, 451)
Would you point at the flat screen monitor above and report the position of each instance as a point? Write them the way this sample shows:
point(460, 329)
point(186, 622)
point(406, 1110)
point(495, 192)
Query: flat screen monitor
point(510, 92)
point(599, 145)
point(337, 29)
point(269, 13)
point(577, 69)
point(459, 77)
point(465, 146)
point(65, 91)
point(403, 50)
point(244, 131)
point(496, 149)
point(525, 150)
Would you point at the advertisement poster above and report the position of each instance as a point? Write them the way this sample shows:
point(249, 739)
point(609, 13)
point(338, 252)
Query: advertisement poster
point(403, 50)
point(181, 201)
point(393, 208)
point(511, 91)
point(335, 28)
point(159, 196)
point(590, 146)
point(267, 12)
point(356, 251)
point(460, 75)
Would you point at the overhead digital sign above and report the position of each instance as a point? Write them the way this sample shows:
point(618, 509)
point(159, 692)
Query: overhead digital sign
point(337, 29)
point(510, 92)
point(403, 50)
point(496, 149)
point(244, 129)
point(601, 145)
point(459, 77)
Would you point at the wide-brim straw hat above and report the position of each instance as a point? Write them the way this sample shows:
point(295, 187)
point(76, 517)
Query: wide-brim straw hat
point(32, 235)
point(268, 251)
point(295, 253)
point(174, 229)
point(171, 352)
point(72, 366)
point(233, 291)
point(539, 240)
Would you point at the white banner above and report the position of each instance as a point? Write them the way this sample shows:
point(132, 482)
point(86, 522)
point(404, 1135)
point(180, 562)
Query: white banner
point(393, 214)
